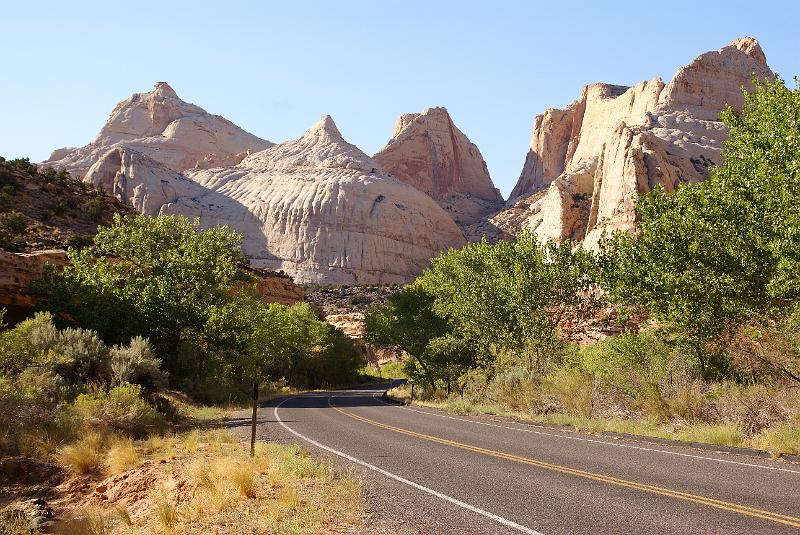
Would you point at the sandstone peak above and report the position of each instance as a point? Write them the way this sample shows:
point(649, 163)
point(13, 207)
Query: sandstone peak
point(326, 129)
point(751, 47)
point(429, 152)
point(160, 125)
point(321, 146)
point(163, 89)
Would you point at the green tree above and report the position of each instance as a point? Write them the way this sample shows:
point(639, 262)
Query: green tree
point(408, 322)
point(151, 276)
point(711, 255)
point(511, 296)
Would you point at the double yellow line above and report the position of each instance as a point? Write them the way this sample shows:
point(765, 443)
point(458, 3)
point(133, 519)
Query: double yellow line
point(719, 504)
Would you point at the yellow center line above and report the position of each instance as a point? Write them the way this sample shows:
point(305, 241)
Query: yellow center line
point(704, 500)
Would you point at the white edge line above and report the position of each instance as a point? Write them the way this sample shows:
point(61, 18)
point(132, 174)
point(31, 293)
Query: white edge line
point(582, 439)
point(459, 503)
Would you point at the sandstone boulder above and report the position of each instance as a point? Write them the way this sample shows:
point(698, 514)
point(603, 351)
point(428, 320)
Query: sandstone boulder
point(593, 159)
point(170, 131)
point(429, 152)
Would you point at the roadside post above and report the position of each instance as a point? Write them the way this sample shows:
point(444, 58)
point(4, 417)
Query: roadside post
point(412, 391)
point(253, 425)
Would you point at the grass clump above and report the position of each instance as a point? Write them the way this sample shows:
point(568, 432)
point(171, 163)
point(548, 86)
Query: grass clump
point(166, 513)
point(720, 434)
point(82, 456)
point(781, 439)
point(92, 521)
point(121, 457)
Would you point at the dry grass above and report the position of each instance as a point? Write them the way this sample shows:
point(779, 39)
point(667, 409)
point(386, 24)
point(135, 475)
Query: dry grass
point(121, 457)
point(166, 513)
point(723, 434)
point(780, 440)
point(83, 456)
point(280, 490)
point(92, 521)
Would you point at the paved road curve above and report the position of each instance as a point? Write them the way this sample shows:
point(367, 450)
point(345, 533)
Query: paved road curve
point(480, 475)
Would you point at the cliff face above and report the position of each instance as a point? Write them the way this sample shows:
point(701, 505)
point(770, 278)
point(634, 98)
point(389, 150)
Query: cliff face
point(17, 270)
point(317, 208)
point(429, 152)
point(172, 132)
point(593, 159)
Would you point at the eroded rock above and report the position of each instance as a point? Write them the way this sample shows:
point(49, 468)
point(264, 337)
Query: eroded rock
point(614, 143)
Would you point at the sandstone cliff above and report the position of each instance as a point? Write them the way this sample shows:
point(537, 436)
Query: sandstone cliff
point(317, 208)
point(17, 270)
point(170, 131)
point(352, 325)
point(588, 163)
point(429, 152)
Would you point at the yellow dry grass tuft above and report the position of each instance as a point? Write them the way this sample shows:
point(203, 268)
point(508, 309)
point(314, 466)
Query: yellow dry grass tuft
point(92, 521)
point(82, 456)
point(121, 457)
point(724, 434)
point(781, 439)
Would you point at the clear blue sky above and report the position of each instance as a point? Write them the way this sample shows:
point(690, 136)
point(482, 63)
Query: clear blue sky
point(276, 67)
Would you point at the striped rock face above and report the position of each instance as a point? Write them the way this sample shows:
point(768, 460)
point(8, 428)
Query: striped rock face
point(588, 163)
point(317, 208)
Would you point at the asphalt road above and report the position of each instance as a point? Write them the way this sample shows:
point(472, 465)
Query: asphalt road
point(443, 474)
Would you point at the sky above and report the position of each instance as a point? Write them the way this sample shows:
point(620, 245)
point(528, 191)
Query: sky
point(274, 68)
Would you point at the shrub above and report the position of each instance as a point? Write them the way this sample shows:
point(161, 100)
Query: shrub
point(137, 364)
point(6, 198)
point(18, 349)
point(78, 355)
point(12, 228)
point(79, 241)
point(94, 208)
point(58, 208)
point(120, 408)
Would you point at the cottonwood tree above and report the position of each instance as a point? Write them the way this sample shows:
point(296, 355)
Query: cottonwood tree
point(511, 296)
point(711, 255)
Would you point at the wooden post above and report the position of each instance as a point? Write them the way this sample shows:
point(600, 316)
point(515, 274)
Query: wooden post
point(255, 417)
point(412, 391)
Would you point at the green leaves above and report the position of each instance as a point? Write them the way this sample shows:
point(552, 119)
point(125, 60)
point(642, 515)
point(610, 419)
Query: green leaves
point(713, 254)
point(482, 300)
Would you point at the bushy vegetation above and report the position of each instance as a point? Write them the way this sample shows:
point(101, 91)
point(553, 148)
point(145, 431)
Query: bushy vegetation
point(56, 383)
point(184, 290)
point(714, 265)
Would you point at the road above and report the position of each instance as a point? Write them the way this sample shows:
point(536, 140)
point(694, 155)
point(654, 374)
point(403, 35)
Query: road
point(447, 474)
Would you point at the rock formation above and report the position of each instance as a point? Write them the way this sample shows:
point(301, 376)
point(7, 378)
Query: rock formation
point(317, 208)
point(170, 131)
point(17, 270)
point(274, 288)
point(430, 153)
point(352, 325)
point(588, 163)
